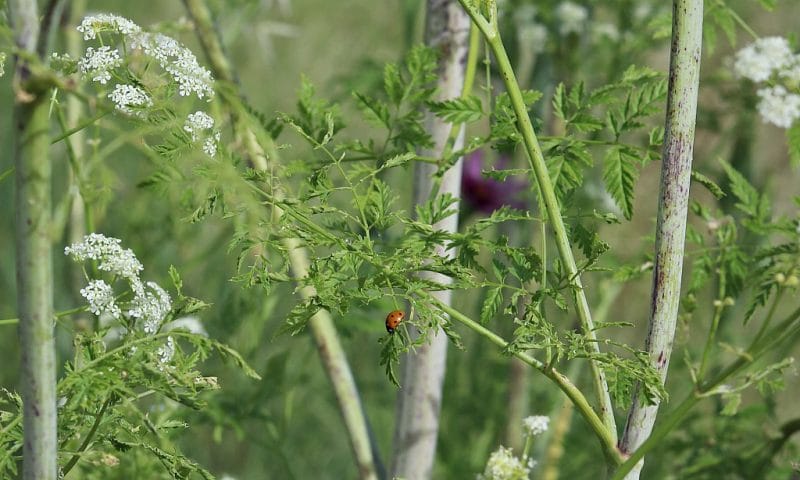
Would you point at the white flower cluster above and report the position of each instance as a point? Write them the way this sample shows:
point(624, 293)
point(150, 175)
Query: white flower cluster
point(173, 57)
point(150, 304)
point(759, 60)
point(179, 61)
point(111, 257)
point(771, 60)
point(572, 17)
point(2, 63)
point(92, 25)
point(778, 107)
point(197, 124)
point(100, 297)
point(130, 99)
point(98, 63)
point(504, 465)
point(536, 425)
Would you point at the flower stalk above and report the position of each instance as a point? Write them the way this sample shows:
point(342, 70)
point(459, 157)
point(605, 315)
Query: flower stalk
point(684, 78)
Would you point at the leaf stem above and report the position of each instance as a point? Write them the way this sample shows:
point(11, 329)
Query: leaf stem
point(607, 440)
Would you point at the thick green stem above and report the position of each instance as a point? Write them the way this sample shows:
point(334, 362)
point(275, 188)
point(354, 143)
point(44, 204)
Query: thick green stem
point(552, 207)
point(321, 325)
point(684, 79)
point(34, 261)
point(419, 401)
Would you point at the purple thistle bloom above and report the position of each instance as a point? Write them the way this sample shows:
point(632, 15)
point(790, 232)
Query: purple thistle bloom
point(486, 194)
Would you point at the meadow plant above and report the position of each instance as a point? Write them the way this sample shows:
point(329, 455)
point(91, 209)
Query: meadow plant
point(314, 202)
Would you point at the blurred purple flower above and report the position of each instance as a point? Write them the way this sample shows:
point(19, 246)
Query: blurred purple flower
point(486, 194)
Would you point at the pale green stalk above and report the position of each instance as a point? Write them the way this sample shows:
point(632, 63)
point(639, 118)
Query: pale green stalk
point(684, 79)
point(489, 28)
point(33, 244)
point(785, 331)
point(321, 325)
point(422, 376)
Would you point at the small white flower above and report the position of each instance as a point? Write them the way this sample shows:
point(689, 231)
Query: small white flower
point(759, 60)
point(2, 63)
point(536, 424)
point(98, 62)
point(571, 17)
point(130, 99)
point(778, 107)
point(151, 305)
point(104, 22)
point(503, 465)
point(100, 297)
point(197, 122)
point(166, 352)
point(210, 145)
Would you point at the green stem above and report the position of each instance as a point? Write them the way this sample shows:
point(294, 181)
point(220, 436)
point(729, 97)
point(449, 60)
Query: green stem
point(542, 177)
point(33, 244)
point(712, 332)
point(607, 440)
point(88, 439)
point(684, 79)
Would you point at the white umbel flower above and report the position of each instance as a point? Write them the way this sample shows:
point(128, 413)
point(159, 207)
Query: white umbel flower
point(778, 107)
point(100, 297)
point(571, 17)
point(536, 424)
point(98, 63)
point(151, 304)
point(198, 122)
point(504, 465)
point(104, 22)
point(178, 61)
point(111, 257)
point(759, 60)
point(130, 99)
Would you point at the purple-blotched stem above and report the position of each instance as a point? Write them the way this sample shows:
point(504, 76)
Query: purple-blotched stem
point(684, 78)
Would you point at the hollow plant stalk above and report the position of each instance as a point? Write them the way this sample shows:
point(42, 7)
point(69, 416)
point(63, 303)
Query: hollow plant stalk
point(33, 245)
point(321, 325)
point(420, 398)
point(486, 20)
point(673, 202)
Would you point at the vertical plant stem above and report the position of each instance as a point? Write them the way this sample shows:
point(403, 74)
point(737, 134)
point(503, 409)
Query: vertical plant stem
point(419, 399)
point(321, 325)
point(684, 78)
point(490, 30)
point(33, 244)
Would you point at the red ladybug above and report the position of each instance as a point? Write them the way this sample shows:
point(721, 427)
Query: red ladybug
point(393, 320)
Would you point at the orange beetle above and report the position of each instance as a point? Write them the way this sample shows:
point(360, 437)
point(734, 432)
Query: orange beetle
point(393, 320)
